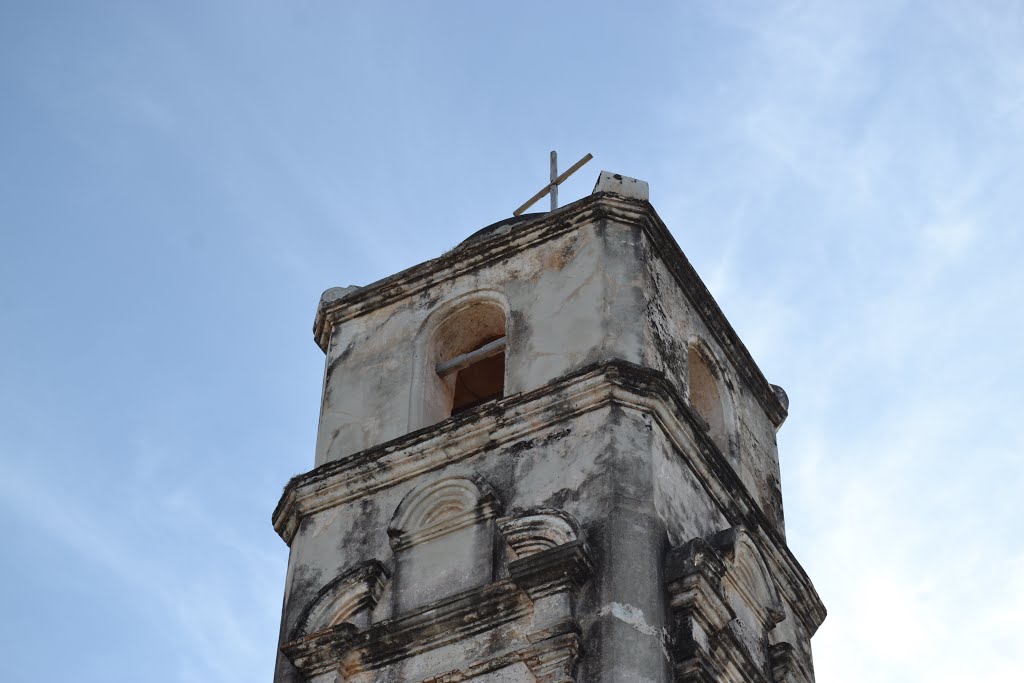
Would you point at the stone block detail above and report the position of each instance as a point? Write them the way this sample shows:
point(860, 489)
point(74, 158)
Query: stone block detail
point(725, 606)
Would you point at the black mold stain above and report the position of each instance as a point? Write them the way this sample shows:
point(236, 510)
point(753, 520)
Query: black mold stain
point(305, 584)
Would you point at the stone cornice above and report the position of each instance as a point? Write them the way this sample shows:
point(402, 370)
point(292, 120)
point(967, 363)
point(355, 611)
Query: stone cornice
point(704, 644)
point(787, 666)
point(492, 426)
point(499, 245)
point(564, 567)
point(449, 620)
point(351, 650)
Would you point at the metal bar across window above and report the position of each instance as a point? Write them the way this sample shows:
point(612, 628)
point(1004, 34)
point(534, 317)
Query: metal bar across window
point(465, 360)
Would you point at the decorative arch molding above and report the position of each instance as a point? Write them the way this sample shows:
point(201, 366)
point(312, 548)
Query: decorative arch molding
point(747, 576)
point(348, 598)
point(443, 536)
point(714, 361)
point(716, 407)
point(539, 529)
point(453, 328)
point(725, 607)
point(440, 508)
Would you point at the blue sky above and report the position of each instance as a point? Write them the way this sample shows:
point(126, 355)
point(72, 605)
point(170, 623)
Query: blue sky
point(180, 181)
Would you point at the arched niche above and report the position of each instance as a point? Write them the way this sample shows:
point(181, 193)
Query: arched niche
point(349, 598)
point(460, 357)
point(537, 530)
point(750, 590)
point(708, 394)
point(442, 534)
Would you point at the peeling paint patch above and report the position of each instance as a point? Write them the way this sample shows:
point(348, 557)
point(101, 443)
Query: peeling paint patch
point(630, 615)
point(634, 616)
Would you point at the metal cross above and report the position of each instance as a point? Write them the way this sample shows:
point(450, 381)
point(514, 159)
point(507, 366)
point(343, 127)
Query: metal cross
point(556, 180)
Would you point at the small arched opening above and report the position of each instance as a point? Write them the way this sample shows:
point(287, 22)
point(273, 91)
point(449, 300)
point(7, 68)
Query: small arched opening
point(706, 396)
point(465, 360)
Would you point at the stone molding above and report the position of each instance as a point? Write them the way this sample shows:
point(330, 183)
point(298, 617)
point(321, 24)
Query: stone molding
point(499, 245)
point(549, 653)
point(693, 574)
point(350, 650)
point(705, 650)
point(553, 564)
point(354, 591)
point(747, 571)
point(563, 568)
point(439, 508)
point(539, 529)
point(697, 575)
point(493, 426)
point(787, 667)
point(552, 660)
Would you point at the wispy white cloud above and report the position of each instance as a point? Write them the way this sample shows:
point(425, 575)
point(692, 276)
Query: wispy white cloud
point(211, 606)
point(875, 126)
point(913, 568)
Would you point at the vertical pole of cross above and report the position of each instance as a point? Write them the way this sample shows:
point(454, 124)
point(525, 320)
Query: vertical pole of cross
point(554, 177)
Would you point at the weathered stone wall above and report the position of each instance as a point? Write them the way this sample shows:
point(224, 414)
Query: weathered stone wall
point(570, 301)
point(619, 454)
point(673, 323)
point(542, 471)
point(585, 527)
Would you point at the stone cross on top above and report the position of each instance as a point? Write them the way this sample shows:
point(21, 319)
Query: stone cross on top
point(556, 180)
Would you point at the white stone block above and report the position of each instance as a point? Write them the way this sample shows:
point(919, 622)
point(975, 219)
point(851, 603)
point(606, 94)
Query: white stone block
point(625, 186)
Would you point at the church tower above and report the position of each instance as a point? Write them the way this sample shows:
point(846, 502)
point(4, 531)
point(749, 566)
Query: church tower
point(543, 456)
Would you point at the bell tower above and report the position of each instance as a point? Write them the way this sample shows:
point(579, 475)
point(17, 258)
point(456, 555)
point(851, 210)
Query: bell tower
point(543, 456)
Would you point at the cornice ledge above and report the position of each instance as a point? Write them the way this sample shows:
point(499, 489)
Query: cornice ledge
point(493, 425)
point(449, 620)
point(486, 427)
point(466, 257)
point(435, 625)
point(564, 567)
point(787, 664)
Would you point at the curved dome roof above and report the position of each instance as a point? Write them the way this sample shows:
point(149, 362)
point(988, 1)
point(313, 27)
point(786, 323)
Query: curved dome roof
point(501, 227)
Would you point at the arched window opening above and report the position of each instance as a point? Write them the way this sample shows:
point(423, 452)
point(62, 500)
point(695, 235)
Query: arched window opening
point(468, 360)
point(479, 375)
point(706, 397)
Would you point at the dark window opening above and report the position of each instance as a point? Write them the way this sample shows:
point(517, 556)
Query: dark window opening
point(480, 382)
point(479, 375)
